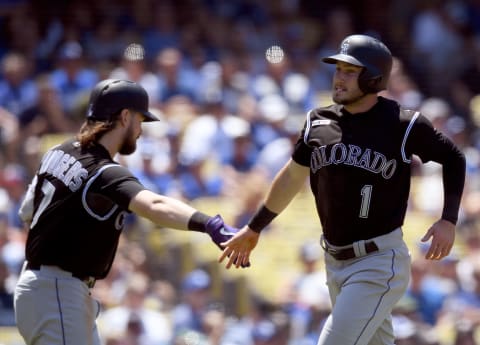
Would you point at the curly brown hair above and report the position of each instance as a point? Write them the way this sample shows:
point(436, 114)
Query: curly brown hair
point(92, 131)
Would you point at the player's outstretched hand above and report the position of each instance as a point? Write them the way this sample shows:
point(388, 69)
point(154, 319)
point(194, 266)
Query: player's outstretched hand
point(442, 234)
point(238, 248)
point(221, 232)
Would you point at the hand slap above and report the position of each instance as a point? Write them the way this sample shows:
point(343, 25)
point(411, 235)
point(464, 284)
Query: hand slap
point(239, 247)
point(221, 233)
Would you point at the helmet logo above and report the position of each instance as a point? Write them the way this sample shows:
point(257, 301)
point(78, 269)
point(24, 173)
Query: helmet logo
point(90, 110)
point(344, 47)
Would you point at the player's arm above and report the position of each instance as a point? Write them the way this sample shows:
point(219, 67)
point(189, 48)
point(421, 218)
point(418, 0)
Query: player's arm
point(162, 210)
point(442, 232)
point(175, 214)
point(286, 184)
point(117, 183)
point(431, 145)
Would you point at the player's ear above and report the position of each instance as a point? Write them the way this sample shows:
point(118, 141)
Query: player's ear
point(125, 117)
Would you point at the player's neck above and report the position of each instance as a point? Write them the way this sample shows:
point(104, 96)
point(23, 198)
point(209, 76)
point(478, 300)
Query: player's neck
point(110, 142)
point(363, 104)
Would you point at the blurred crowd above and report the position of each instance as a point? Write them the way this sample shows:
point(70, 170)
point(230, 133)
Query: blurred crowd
point(229, 120)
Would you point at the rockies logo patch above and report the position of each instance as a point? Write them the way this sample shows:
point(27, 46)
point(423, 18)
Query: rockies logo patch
point(344, 47)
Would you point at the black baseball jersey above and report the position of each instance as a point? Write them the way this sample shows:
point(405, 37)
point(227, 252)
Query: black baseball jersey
point(360, 167)
point(79, 199)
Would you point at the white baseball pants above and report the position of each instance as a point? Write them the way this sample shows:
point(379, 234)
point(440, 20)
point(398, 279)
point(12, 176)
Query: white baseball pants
point(363, 292)
point(54, 308)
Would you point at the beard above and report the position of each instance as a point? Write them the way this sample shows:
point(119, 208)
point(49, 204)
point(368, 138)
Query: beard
point(347, 98)
point(129, 144)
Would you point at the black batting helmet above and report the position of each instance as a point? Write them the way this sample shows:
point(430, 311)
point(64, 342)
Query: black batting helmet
point(369, 53)
point(110, 96)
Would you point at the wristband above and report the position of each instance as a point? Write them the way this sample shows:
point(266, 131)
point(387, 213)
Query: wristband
point(198, 221)
point(261, 219)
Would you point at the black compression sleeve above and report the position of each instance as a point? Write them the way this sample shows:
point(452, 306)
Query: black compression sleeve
point(261, 219)
point(198, 221)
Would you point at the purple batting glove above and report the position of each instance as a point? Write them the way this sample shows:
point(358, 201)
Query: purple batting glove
point(220, 232)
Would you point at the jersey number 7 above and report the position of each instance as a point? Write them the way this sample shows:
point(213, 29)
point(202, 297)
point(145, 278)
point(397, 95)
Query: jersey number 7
point(48, 189)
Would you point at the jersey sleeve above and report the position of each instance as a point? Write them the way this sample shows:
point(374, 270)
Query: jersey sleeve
point(119, 185)
point(428, 143)
point(301, 151)
point(25, 211)
point(431, 145)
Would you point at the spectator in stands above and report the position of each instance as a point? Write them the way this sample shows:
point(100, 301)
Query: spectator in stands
point(14, 180)
point(17, 88)
point(106, 43)
point(436, 45)
point(162, 31)
point(46, 115)
point(306, 294)
point(272, 110)
point(140, 324)
point(195, 179)
point(152, 171)
point(234, 82)
point(9, 137)
point(134, 67)
point(402, 88)
point(213, 326)
point(174, 80)
point(278, 151)
point(189, 314)
point(279, 79)
point(72, 77)
point(244, 153)
point(339, 23)
point(7, 316)
point(205, 133)
point(428, 297)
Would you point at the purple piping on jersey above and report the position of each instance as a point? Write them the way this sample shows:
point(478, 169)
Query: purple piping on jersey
point(380, 299)
point(307, 127)
point(84, 195)
point(60, 311)
point(407, 132)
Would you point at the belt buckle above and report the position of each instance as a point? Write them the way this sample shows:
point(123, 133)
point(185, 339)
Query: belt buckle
point(90, 281)
point(330, 250)
point(333, 251)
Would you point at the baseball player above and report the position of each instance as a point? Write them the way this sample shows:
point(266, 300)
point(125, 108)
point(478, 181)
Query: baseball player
point(358, 154)
point(76, 206)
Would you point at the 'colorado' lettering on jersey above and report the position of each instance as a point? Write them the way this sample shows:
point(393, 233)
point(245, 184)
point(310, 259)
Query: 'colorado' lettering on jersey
point(339, 153)
point(64, 167)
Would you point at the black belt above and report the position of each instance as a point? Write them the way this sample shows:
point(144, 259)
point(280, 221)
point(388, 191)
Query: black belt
point(88, 280)
point(347, 253)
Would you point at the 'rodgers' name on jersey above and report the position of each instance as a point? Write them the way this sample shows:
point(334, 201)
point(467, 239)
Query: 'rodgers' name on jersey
point(64, 167)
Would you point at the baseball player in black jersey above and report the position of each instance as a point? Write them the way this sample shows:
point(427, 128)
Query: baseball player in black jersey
point(76, 207)
point(358, 154)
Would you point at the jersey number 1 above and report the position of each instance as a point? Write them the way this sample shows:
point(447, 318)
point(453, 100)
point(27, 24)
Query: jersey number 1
point(366, 193)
